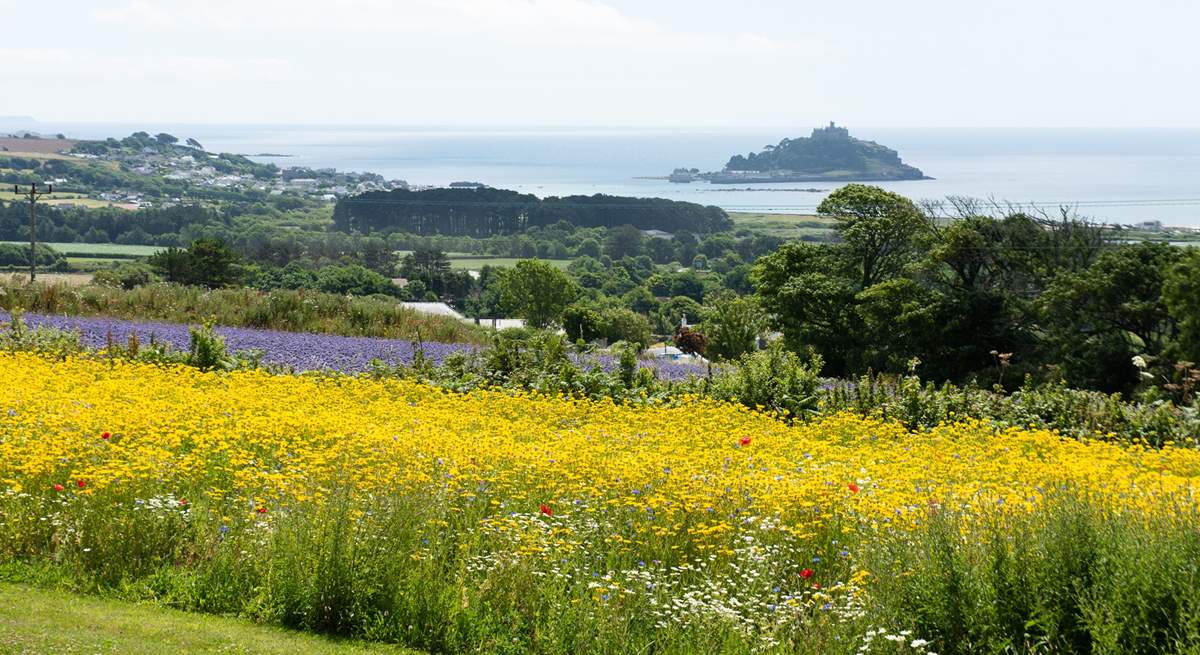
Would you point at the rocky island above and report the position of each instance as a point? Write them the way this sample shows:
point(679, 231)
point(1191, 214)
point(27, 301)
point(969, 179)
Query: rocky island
point(829, 155)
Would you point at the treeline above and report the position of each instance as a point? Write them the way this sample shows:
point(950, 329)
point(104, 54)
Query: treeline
point(986, 298)
point(485, 212)
point(168, 144)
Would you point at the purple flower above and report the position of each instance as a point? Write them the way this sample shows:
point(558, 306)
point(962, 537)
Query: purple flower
point(299, 351)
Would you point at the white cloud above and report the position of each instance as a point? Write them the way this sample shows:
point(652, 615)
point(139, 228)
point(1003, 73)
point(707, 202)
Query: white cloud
point(573, 23)
point(34, 63)
point(142, 13)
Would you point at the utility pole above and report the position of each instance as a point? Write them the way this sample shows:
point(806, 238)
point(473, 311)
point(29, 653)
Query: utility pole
point(32, 195)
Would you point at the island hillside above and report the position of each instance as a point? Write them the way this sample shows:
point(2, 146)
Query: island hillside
point(829, 154)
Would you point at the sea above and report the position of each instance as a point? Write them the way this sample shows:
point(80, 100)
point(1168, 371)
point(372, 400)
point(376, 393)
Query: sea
point(1109, 175)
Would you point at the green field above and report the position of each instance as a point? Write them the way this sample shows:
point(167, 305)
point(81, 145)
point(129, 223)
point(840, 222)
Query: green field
point(37, 621)
point(476, 263)
point(99, 250)
point(787, 226)
point(57, 199)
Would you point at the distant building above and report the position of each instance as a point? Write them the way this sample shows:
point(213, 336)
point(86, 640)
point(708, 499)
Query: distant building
point(658, 234)
point(681, 176)
point(1149, 226)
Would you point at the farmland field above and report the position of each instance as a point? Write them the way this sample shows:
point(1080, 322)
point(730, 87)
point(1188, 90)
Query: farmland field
point(788, 226)
point(99, 250)
point(513, 522)
point(18, 147)
point(6, 194)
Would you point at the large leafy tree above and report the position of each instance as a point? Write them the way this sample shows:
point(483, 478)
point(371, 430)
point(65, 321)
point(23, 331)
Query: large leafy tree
point(1181, 292)
point(809, 292)
point(206, 262)
point(536, 291)
point(732, 325)
point(881, 229)
point(1097, 319)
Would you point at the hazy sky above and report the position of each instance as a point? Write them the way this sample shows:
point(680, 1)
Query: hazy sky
point(605, 62)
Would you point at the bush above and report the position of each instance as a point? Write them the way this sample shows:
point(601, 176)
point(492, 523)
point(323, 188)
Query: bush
point(774, 380)
point(127, 276)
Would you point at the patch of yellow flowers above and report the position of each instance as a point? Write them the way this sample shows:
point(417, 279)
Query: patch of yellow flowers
point(698, 468)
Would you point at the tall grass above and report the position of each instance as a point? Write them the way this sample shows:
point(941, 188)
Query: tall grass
point(296, 311)
point(1069, 579)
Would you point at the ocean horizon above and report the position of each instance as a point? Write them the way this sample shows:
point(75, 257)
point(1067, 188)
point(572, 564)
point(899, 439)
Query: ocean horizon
point(1114, 175)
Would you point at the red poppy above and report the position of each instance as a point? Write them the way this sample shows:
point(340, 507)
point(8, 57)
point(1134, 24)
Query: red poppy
point(545, 509)
point(182, 501)
point(816, 585)
point(745, 441)
point(806, 573)
point(105, 436)
point(80, 483)
point(261, 510)
point(852, 487)
point(58, 487)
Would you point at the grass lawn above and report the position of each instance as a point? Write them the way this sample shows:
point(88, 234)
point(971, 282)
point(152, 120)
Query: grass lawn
point(38, 621)
point(788, 226)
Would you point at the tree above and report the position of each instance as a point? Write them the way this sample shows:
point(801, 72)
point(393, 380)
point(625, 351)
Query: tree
point(1181, 291)
point(1097, 319)
point(581, 321)
point(880, 228)
point(536, 291)
point(623, 241)
point(807, 291)
point(732, 325)
point(214, 264)
point(354, 280)
point(690, 341)
point(620, 324)
point(206, 262)
point(165, 139)
point(674, 311)
point(589, 247)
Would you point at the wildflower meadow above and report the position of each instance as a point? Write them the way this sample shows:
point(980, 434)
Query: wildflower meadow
point(512, 522)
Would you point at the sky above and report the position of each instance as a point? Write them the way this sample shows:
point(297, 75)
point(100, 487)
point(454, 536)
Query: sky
point(685, 63)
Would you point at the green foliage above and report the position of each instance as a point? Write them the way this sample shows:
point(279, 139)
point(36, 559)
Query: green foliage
point(1070, 578)
point(590, 323)
point(536, 291)
point(774, 380)
point(486, 211)
point(354, 280)
point(881, 229)
point(207, 263)
point(732, 326)
point(1052, 405)
point(13, 256)
point(1181, 293)
point(1099, 318)
point(127, 276)
point(296, 311)
point(206, 349)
